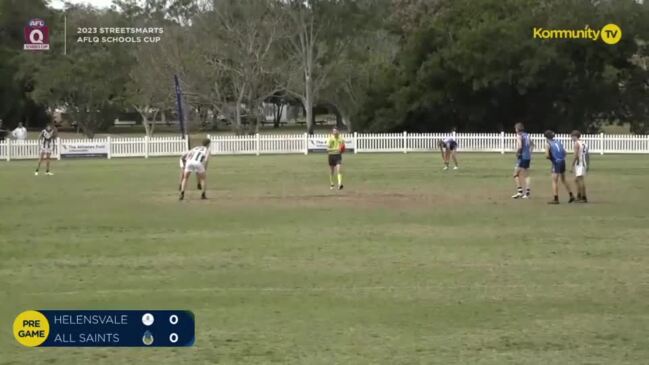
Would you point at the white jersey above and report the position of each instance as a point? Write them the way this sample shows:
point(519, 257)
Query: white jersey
point(198, 154)
point(583, 154)
point(196, 158)
point(581, 167)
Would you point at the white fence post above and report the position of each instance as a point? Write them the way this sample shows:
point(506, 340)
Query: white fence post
point(601, 143)
point(258, 143)
point(110, 148)
point(306, 143)
point(58, 148)
point(502, 142)
point(405, 142)
point(146, 146)
point(355, 142)
point(8, 144)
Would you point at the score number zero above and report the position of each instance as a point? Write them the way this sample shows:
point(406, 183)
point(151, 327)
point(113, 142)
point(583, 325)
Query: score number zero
point(173, 337)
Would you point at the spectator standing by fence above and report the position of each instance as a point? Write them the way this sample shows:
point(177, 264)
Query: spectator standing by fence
point(20, 133)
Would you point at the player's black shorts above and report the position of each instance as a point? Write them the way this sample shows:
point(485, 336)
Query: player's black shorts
point(335, 160)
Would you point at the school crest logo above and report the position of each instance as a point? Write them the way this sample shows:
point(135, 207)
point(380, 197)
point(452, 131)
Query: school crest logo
point(147, 338)
point(37, 36)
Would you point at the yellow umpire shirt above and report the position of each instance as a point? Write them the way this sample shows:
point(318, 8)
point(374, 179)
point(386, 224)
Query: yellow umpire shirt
point(333, 144)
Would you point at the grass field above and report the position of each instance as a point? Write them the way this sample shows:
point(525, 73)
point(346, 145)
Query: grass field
point(407, 265)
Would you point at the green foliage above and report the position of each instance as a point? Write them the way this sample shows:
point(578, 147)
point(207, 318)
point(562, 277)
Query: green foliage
point(89, 82)
point(15, 105)
point(476, 66)
point(383, 65)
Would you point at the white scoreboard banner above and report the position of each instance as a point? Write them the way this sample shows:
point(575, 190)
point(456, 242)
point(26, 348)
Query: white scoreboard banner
point(319, 144)
point(92, 149)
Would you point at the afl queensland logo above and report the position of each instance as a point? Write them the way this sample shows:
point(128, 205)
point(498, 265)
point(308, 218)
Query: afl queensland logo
point(37, 37)
point(147, 338)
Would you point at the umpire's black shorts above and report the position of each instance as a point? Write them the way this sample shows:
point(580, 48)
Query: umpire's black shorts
point(335, 160)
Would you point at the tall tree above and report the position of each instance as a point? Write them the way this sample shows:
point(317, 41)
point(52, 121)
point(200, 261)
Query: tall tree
point(320, 30)
point(237, 39)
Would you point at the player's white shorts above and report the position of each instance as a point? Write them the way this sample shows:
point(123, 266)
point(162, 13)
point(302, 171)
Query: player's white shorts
point(194, 166)
point(580, 170)
point(46, 150)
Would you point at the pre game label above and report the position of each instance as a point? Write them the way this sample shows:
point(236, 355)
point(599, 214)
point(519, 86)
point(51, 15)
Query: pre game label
point(55, 328)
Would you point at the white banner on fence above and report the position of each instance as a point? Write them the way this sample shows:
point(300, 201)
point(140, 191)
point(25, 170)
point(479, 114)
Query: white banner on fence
point(84, 149)
point(319, 144)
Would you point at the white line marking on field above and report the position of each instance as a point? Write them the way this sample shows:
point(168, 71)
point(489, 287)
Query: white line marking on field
point(315, 289)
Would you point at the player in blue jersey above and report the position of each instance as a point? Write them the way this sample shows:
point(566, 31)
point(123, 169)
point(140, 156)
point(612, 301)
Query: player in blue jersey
point(555, 152)
point(448, 146)
point(524, 147)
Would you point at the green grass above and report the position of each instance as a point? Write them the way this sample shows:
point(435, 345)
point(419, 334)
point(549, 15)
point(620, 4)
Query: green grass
point(407, 265)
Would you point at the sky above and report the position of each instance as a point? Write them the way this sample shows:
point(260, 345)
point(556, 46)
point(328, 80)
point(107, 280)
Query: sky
point(58, 4)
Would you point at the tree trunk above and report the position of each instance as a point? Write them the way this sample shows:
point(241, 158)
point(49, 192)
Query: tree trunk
point(237, 117)
point(279, 110)
point(152, 126)
point(145, 123)
point(308, 105)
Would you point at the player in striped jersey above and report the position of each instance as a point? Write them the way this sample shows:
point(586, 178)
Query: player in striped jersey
point(448, 146)
point(524, 147)
point(46, 143)
point(555, 152)
point(580, 165)
point(196, 162)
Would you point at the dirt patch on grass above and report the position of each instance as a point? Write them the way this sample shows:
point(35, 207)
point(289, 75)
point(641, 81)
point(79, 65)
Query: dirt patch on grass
point(349, 199)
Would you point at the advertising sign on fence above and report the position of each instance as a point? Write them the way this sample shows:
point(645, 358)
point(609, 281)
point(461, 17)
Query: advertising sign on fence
point(319, 144)
point(84, 149)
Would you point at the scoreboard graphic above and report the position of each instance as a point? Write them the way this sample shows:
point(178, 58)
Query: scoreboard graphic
point(112, 328)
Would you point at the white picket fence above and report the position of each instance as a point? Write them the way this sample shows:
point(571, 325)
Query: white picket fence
point(303, 144)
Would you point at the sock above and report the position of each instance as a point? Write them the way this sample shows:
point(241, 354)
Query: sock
point(520, 190)
point(556, 198)
point(331, 179)
point(340, 179)
point(570, 193)
point(527, 191)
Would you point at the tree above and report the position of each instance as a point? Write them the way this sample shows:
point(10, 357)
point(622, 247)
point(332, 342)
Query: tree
point(15, 104)
point(476, 66)
point(237, 39)
point(79, 82)
point(319, 30)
